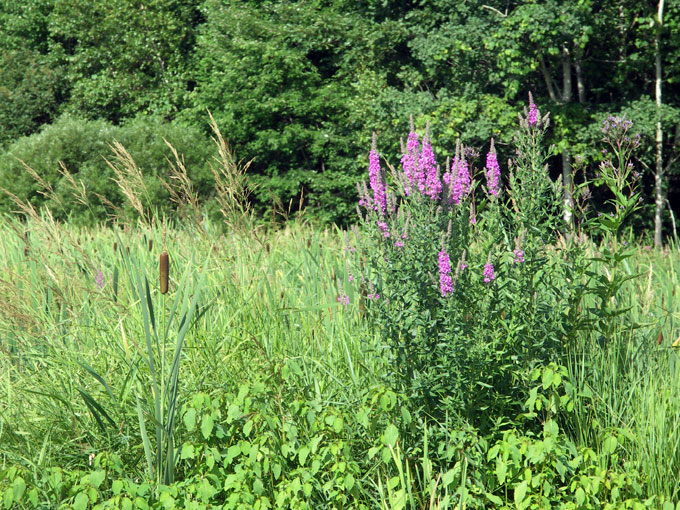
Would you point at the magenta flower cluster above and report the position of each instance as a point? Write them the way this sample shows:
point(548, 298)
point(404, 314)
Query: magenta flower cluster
point(519, 256)
point(445, 281)
point(493, 171)
point(489, 274)
point(458, 181)
point(99, 280)
point(376, 181)
point(532, 116)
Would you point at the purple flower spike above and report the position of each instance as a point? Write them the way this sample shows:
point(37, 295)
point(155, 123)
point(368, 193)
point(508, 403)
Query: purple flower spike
point(375, 176)
point(489, 274)
point(519, 256)
point(532, 118)
point(99, 280)
point(427, 172)
point(445, 281)
point(409, 159)
point(460, 180)
point(493, 171)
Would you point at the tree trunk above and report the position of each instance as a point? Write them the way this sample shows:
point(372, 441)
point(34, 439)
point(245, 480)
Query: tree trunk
point(659, 191)
point(567, 179)
point(548, 79)
point(580, 86)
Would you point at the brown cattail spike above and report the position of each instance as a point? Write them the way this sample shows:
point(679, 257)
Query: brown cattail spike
point(115, 247)
point(164, 267)
point(150, 245)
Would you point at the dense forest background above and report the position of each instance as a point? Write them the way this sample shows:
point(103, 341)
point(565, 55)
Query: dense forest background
point(299, 87)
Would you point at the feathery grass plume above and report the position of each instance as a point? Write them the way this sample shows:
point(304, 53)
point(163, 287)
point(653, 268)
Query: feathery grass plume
point(78, 191)
point(231, 183)
point(164, 271)
point(181, 188)
point(129, 179)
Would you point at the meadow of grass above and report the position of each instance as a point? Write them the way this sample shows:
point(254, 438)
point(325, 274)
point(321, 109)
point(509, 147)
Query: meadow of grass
point(262, 378)
point(268, 322)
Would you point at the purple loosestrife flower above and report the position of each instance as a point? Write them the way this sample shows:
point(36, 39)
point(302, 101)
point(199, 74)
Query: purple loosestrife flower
point(532, 117)
point(493, 171)
point(489, 274)
point(445, 281)
point(344, 299)
point(519, 256)
point(376, 180)
point(399, 244)
point(383, 226)
point(460, 180)
point(409, 158)
point(427, 171)
point(99, 280)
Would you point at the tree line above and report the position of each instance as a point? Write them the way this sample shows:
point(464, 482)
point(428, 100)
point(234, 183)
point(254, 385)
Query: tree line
point(299, 86)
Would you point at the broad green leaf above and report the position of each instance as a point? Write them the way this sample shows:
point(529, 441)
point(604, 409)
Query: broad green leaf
point(391, 435)
point(207, 424)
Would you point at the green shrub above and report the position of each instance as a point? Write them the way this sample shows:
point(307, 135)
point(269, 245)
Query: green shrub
point(84, 147)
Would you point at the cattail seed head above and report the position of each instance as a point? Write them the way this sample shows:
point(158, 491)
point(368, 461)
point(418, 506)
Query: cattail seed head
point(115, 247)
point(150, 244)
point(164, 271)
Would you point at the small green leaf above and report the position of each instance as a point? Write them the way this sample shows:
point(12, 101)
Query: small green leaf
point(188, 451)
point(97, 477)
point(610, 445)
point(19, 486)
point(116, 487)
point(520, 492)
point(33, 496)
point(390, 436)
point(447, 478)
point(8, 498)
point(302, 455)
point(190, 419)
point(81, 501)
point(547, 379)
point(207, 426)
point(580, 496)
point(337, 425)
point(349, 481)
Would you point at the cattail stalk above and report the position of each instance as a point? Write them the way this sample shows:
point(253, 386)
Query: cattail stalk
point(164, 271)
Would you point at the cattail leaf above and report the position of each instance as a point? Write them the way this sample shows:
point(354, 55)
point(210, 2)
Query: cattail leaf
point(99, 378)
point(96, 409)
point(145, 440)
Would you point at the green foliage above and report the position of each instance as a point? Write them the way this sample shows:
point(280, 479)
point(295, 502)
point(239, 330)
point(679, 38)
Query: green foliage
point(28, 93)
point(84, 148)
point(123, 58)
point(286, 72)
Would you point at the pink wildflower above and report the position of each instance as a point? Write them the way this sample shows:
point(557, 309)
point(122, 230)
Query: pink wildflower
point(489, 272)
point(493, 171)
point(445, 281)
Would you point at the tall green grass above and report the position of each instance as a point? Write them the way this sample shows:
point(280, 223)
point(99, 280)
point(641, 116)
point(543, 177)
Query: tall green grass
point(75, 359)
